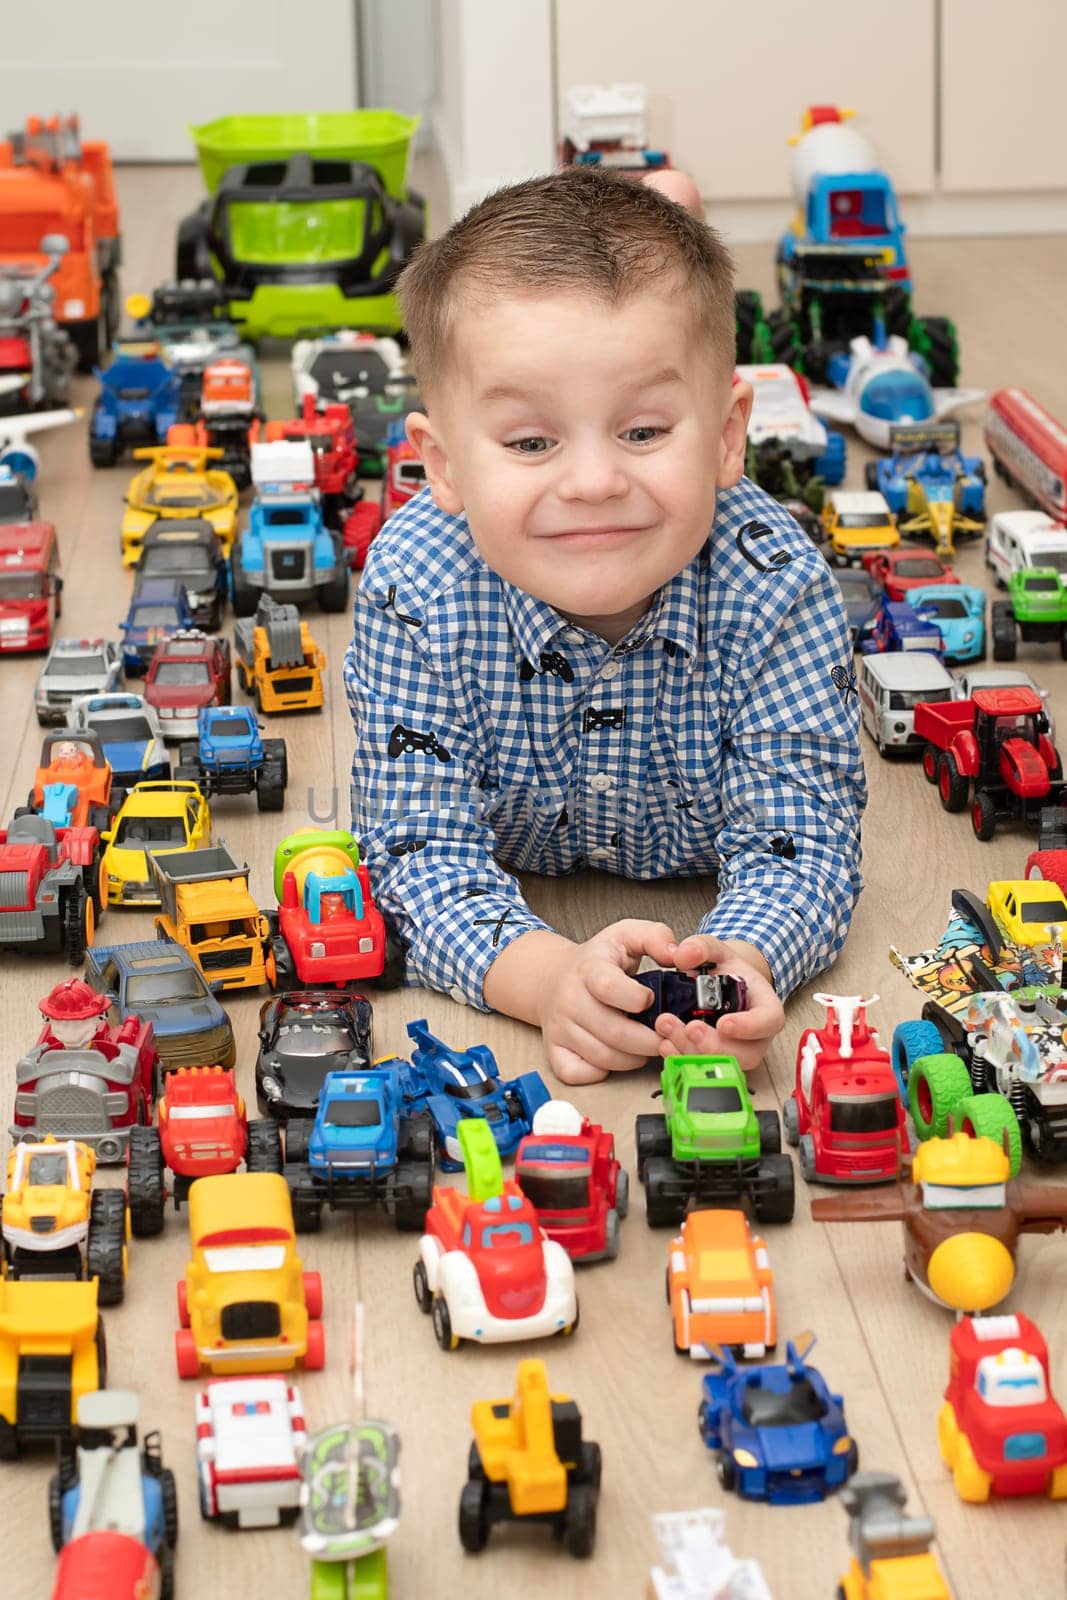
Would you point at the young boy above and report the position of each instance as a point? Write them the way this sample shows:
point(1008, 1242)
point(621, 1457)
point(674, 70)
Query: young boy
point(592, 642)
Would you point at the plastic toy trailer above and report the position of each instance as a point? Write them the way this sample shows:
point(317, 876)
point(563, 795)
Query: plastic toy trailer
point(278, 662)
point(207, 909)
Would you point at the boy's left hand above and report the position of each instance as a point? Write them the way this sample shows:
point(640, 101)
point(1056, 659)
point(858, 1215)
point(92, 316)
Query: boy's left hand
point(744, 1034)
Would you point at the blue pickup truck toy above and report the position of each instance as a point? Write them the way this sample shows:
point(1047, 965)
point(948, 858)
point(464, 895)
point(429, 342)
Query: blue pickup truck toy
point(779, 1433)
point(286, 550)
point(362, 1149)
point(159, 607)
point(229, 757)
point(139, 399)
point(451, 1085)
point(898, 626)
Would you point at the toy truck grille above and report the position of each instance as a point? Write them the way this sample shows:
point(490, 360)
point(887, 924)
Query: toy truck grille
point(75, 1110)
point(19, 925)
point(14, 888)
point(298, 683)
point(223, 960)
point(289, 564)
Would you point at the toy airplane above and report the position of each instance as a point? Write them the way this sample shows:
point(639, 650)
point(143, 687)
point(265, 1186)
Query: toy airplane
point(16, 451)
point(880, 388)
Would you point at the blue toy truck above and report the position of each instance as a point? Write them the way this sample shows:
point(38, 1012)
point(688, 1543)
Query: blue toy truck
point(451, 1085)
point(108, 1483)
point(898, 626)
point(229, 757)
point(286, 549)
point(779, 1434)
point(139, 399)
point(159, 607)
point(361, 1150)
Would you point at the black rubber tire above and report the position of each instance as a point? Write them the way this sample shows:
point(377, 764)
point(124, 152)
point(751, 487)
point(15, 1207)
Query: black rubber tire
point(284, 965)
point(770, 1133)
point(727, 1473)
point(870, 474)
point(170, 1506)
point(264, 1150)
point(89, 340)
point(442, 1323)
point(166, 1572)
point(103, 452)
point(297, 1140)
point(952, 787)
point(661, 1211)
point(1002, 625)
point(473, 1521)
point(245, 596)
point(192, 256)
point(591, 1464)
point(270, 789)
point(396, 956)
point(651, 1138)
point(778, 1202)
point(145, 1182)
point(100, 1343)
point(105, 1250)
point(983, 816)
point(333, 596)
point(55, 1512)
point(409, 1212)
point(75, 914)
point(750, 326)
point(935, 338)
point(782, 336)
point(579, 1528)
point(307, 1215)
point(423, 1295)
point(415, 1139)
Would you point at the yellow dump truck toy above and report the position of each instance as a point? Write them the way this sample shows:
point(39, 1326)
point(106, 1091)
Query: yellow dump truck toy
point(278, 662)
point(51, 1353)
point(206, 908)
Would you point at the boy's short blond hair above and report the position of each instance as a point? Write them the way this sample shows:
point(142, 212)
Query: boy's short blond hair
point(580, 231)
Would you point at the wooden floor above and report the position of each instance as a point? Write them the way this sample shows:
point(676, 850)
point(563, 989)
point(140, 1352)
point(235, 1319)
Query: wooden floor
point(881, 1344)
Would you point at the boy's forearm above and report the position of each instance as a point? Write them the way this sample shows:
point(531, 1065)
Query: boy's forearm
point(521, 974)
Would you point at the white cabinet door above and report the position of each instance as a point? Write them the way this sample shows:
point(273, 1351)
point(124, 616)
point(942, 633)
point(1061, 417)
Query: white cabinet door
point(1003, 107)
point(728, 82)
point(137, 74)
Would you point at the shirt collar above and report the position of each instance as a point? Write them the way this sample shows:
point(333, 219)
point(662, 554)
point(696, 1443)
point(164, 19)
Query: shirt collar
point(674, 617)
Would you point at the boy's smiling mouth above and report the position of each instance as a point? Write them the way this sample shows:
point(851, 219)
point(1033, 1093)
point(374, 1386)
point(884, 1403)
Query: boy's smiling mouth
point(593, 535)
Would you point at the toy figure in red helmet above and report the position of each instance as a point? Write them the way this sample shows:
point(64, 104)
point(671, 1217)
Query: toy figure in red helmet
point(76, 1019)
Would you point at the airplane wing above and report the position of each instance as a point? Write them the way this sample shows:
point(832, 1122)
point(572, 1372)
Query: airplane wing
point(833, 405)
point(13, 430)
point(946, 401)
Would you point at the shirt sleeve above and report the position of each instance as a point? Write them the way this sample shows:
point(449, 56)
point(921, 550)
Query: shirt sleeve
point(793, 791)
point(418, 803)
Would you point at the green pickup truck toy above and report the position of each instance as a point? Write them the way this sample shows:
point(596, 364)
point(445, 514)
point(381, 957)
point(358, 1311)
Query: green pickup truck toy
point(1036, 609)
point(711, 1145)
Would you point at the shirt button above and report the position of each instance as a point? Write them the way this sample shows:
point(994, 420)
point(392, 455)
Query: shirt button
point(611, 669)
point(575, 635)
point(458, 996)
point(601, 852)
point(602, 783)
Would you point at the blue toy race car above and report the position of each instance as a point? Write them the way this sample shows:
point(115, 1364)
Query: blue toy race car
point(161, 983)
point(139, 399)
point(779, 1432)
point(451, 1085)
point(958, 612)
point(931, 488)
point(108, 1483)
point(898, 626)
point(160, 606)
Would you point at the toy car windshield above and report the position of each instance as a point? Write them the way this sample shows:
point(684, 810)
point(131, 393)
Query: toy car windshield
point(766, 1408)
point(350, 1498)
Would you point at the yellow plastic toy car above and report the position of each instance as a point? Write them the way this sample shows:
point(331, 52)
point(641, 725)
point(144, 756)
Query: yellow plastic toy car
point(1025, 907)
point(55, 1225)
point(178, 483)
point(856, 522)
point(51, 1353)
point(529, 1463)
point(246, 1304)
point(891, 1557)
point(163, 815)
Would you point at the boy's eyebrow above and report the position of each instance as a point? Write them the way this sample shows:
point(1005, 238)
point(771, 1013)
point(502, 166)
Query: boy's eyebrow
point(507, 391)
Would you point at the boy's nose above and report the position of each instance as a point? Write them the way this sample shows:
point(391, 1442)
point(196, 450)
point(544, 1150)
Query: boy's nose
point(592, 474)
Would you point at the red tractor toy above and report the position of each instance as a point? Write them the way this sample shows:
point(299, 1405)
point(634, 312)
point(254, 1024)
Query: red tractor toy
point(993, 750)
point(845, 1113)
point(327, 929)
point(203, 1131)
point(567, 1168)
point(52, 887)
point(1000, 1431)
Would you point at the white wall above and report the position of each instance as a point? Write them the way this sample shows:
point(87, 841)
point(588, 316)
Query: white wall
point(138, 72)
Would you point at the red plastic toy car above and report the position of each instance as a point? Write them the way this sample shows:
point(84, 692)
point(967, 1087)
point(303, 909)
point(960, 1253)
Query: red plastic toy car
point(845, 1112)
point(1000, 1431)
point(85, 1079)
point(567, 1168)
point(187, 672)
point(327, 929)
point(30, 586)
point(106, 1566)
point(203, 1130)
point(332, 437)
point(906, 568)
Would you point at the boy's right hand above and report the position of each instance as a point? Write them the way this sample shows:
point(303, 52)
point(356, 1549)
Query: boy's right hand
point(584, 992)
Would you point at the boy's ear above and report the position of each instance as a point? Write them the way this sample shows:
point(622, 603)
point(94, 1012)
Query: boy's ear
point(734, 431)
point(423, 437)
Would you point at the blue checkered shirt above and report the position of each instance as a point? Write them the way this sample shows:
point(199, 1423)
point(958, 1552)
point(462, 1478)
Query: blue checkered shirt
point(721, 735)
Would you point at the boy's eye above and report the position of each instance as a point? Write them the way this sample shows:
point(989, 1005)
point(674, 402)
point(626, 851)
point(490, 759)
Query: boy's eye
point(536, 445)
point(643, 434)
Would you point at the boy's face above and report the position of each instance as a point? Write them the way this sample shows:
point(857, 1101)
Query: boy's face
point(584, 442)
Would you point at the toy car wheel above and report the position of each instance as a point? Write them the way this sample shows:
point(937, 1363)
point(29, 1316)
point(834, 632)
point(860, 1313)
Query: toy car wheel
point(165, 1558)
point(105, 1251)
point(775, 1199)
point(590, 1464)
point(983, 816)
point(726, 1471)
point(284, 966)
point(392, 973)
point(936, 1085)
point(58, 1484)
point(244, 594)
point(852, 1460)
point(972, 1483)
point(770, 1133)
point(952, 787)
point(948, 1434)
point(442, 1324)
point(270, 790)
point(315, 1354)
point(791, 1120)
point(990, 1116)
point(1002, 624)
point(100, 1346)
point(103, 452)
point(579, 1528)
point(651, 1139)
point(313, 1294)
point(78, 923)
point(912, 1041)
point(185, 773)
point(663, 1209)
point(415, 1139)
point(611, 1235)
point(186, 1354)
point(144, 1181)
point(421, 1285)
point(806, 1156)
point(930, 758)
point(413, 1188)
point(870, 475)
point(297, 1141)
point(622, 1193)
point(473, 1518)
point(169, 1492)
point(264, 1150)
point(333, 596)
point(307, 1214)
point(475, 1469)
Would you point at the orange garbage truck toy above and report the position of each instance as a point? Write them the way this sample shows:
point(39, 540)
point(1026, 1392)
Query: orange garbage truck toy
point(53, 182)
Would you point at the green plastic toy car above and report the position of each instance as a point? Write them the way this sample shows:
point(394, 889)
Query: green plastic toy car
point(1036, 608)
point(308, 223)
point(711, 1145)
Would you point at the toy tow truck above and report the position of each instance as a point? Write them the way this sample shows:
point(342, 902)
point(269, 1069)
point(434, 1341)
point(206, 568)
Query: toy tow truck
point(207, 909)
point(891, 1556)
point(711, 1145)
point(529, 1463)
point(278, 662)
point(998, 742)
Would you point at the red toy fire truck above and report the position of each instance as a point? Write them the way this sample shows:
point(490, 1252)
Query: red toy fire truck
point(30, 586)
point(567, 1168)
point(999, 1430)
point(845, 1112)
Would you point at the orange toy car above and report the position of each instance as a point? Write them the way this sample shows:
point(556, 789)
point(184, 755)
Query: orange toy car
point(720, 1287)
point(72, 785)
point(227, 415)
point(50, 182)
